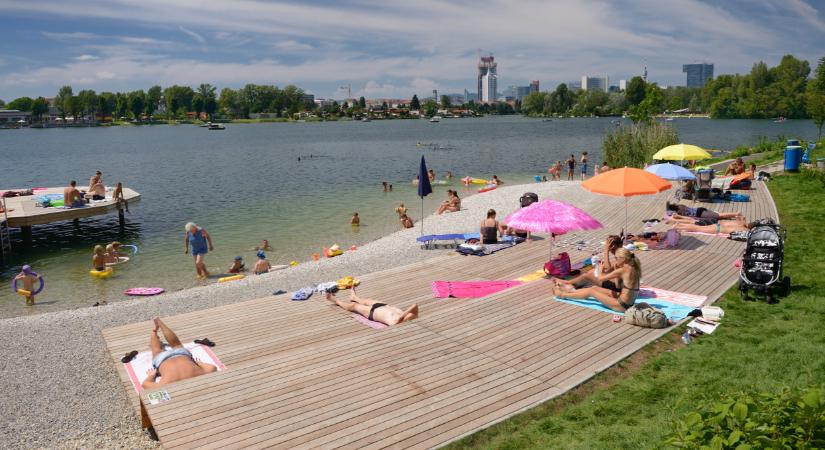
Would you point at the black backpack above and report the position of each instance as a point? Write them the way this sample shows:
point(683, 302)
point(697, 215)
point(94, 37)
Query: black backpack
point(528, 199)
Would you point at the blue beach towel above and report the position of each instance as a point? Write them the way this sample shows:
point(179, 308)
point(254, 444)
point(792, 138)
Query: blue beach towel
point(303, 293)
point(671, 310)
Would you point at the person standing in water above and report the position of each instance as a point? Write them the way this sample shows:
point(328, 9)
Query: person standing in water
point(355, 221)
point(571, 167)
point(584, 165)
point(201, 243)
point(27, 277)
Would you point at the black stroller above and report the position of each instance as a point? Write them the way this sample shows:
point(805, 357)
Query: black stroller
point(762, 261)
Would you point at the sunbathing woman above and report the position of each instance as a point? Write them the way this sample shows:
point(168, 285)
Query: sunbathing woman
point(682, 213)
point(375, 311)
point(726, 227)
point(617, 290)
point(452, 204)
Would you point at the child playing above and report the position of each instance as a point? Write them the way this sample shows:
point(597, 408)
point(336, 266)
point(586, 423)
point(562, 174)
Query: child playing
point(99, 259)
point(110, 257)
point(27, 277)
point(401, 210)
point(118, 197)
point(262, 265)
point(355, 220)
point(237, 266)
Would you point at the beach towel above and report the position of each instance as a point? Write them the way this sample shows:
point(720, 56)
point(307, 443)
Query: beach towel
point(138, 367)
point(370, 323)
point(488, 249)
point(470, 289)
point(303, 293)
point(671, 310)
point(537, 275)
point(702, 233)
point(679, 298)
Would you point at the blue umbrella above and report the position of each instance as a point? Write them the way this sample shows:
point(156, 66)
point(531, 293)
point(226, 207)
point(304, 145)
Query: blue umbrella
point(424, 188)
point(670, 172)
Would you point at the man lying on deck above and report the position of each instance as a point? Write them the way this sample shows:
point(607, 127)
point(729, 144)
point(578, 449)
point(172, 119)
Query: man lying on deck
point(174, 363)
point(375, 311)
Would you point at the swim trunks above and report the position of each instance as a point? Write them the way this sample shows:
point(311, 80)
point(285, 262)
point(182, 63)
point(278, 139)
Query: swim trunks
point(584, 168)
point(78, 203)
point(373, 308)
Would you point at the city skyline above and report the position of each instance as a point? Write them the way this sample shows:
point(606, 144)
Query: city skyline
point(387, 50)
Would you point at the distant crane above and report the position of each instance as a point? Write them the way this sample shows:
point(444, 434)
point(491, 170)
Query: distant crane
point(349, 91)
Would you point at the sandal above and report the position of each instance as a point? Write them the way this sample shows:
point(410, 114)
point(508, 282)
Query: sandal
point(129, 356)
point(205, 341)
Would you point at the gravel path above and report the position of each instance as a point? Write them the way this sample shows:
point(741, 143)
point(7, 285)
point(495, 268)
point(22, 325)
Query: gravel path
point(58, 388)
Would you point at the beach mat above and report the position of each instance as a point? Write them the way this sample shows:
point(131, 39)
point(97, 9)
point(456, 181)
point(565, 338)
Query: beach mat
point(138, 367)
point(671, 310)
point(470, 289)
point(679, 298)
point(370, 323)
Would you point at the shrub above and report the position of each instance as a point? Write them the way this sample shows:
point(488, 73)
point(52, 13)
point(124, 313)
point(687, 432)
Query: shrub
point(635, 145)
point(789, 419)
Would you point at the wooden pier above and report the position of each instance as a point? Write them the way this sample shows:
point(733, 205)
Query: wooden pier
point(307, 375)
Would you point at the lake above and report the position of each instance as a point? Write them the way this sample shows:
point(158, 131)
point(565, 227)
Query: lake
point(246, 183)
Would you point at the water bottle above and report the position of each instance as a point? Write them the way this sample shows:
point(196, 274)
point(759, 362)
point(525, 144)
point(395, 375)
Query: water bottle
point(687, 338)
point(595, 261)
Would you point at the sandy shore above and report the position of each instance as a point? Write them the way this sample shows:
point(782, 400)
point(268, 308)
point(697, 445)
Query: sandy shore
point(60, 390)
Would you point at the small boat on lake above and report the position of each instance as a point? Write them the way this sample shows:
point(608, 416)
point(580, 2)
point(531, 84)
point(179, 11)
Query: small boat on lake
point(216, 126)
point(435, 119)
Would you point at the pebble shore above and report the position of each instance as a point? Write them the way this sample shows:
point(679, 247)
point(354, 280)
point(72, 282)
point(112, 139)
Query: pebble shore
point(60, 389)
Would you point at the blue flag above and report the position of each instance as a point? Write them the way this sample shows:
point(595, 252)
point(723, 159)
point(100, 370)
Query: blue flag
point(424, 187)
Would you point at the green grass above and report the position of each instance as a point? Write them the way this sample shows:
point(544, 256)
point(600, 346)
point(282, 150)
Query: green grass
point(758, 347)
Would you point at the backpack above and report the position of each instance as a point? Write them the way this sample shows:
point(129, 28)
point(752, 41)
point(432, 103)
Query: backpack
point(644, 315)
point(558, 266)
point(528, 199)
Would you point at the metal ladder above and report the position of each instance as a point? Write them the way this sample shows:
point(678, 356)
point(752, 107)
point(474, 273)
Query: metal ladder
point(5, 240)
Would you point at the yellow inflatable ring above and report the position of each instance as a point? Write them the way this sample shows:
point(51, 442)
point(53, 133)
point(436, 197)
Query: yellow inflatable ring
point(232, 278)
point(101, 273)
point(24, 292)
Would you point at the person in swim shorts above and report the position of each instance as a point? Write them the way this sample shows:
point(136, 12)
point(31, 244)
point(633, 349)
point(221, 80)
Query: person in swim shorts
point(172, 362)
point(571, 167)
point(262, 265)
point(72, 197)
point(375, 311)
point(584, 165)
point(201, 243)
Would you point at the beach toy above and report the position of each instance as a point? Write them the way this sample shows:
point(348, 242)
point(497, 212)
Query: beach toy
point(479, 181)
point(333, 251)
point(466, 180)
point(231, 278)
point(28, 271)
point(537, 178)
point(293, 263)
point(101, 273)
point(133, 247)
point(120, 260)
point(487, 188)
point(353, 247)
point(144, 291)
point(315, 256)
point(347, 282)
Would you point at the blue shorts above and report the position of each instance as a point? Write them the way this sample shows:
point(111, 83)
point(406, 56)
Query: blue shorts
point(199, 251)
point(584, 168)
point(168, 354)
point(78, 203)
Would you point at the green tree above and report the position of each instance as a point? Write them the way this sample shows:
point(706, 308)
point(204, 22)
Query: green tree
point(2, 103)
point(229, 102)
point(815, 97)
point(533, 104)
point(635, 92)
point(106, 103)
point(40, 106)
point(362, 102)
point(121, 105)
point(177, 98)
point(21, 104)
point(153, 96)
point(62, 101)
point(445, 101)
point(415, 103)
point(88, 103)
point(74, 107)
point(210, 103)
point(136, 103)
point(430, 107)
point(197, 104)
point(652, 104)
point(561, 100)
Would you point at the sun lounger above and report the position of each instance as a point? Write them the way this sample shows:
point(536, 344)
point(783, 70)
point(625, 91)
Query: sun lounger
point(430, 240)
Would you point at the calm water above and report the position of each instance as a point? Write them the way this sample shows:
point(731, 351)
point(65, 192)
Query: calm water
point(245, 184)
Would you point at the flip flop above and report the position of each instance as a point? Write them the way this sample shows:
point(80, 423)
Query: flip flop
point(205, 341)
point(129, 356)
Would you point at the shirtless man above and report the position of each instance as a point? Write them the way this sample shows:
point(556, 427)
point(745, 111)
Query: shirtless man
point(71, 196)
point(96, 187)
point(174, 363)
point(375, 311)
point(95, 179)
point(736, 167)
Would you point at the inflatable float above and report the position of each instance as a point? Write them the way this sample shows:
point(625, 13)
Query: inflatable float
point(231, 278)
point(144, 291)
point(120, 260)
point(106, 273)
point(24, 292)
point(488, 188)
point(469, 180)
point(134, 248)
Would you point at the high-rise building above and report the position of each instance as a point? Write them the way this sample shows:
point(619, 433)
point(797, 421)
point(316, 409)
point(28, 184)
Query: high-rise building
point(698, 74)
point(523, 91)
point(487, 79)
point(590, 83)
point(534, 86)
point(622, 85)
point(470, 96)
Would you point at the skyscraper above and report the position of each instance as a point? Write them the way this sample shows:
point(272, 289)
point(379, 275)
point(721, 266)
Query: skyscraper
point(590, 83)
point(487, 79)
point(698, 74)
point(534, 86)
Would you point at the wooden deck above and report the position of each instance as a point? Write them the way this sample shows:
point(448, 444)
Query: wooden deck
point(306, 375)
point(24, 213)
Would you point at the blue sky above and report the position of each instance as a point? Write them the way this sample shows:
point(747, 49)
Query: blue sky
point(388, 48)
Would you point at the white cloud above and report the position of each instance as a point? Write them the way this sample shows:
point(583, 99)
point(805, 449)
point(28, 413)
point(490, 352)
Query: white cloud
point(292, 46)
point(77, 35)
point(193, 35)
point(807, 13)
point(86, 58)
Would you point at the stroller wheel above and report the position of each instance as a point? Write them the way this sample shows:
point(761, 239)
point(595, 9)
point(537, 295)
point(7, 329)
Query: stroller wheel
point(770, 298)
point(786, 286)
point(743, 290)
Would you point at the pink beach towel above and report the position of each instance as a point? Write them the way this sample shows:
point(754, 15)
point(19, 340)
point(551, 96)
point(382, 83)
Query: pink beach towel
point(679, 298)
point(138, 367)
point(470, 289)
point(368, 322)
point(702, 233)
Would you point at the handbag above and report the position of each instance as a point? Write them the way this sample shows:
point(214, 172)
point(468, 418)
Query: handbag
point(558, 266)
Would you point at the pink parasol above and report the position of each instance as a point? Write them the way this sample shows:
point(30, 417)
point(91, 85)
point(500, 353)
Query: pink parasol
point(551, 216)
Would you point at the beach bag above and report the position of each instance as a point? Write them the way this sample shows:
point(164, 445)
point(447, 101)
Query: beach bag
point(528, 199)
point(558, 266)
point(644, 315)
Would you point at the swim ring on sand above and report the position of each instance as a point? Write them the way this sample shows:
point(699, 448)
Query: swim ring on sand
point(231, 278)
point(144, 291)
point(25, 292)
point(101, 273)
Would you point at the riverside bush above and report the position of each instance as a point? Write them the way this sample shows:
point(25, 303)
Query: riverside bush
point(789, 419)
point(635, 145)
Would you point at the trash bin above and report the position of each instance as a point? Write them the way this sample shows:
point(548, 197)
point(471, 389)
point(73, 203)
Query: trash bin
point(820, 163)
point(793, 157)
point(792, 143)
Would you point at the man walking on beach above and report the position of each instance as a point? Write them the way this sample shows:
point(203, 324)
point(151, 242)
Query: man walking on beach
point(173, 363)
point(201, 243)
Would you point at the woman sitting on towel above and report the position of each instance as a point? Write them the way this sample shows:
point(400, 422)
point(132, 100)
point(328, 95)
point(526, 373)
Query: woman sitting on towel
point(617, 290)
point(682, 213)
point(725, 227)
point(490, 228)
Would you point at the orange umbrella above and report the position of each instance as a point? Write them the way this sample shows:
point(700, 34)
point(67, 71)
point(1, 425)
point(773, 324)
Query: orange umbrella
point(626, 182)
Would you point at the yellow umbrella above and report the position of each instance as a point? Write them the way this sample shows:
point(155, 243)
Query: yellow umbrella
point(681, 152)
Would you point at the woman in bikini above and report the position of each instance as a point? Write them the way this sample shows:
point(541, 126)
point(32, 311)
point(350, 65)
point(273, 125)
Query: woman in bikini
point(725, 227)
point(682, 213)
point(617, 290)
point(375, 311)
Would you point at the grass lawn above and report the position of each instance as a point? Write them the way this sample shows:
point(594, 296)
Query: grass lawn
point(758, 347)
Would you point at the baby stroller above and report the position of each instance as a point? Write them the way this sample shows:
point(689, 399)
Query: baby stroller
point(704, 184)
point(762, 261)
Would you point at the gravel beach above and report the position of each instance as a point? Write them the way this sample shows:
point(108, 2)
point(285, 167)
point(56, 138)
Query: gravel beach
point(60, 389)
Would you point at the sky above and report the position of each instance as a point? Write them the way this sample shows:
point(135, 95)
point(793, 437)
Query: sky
point(388, 49)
